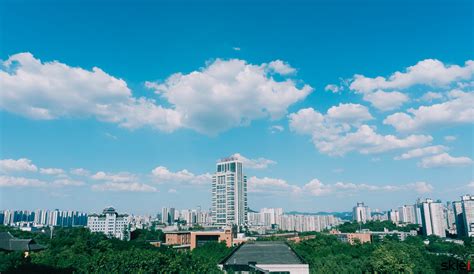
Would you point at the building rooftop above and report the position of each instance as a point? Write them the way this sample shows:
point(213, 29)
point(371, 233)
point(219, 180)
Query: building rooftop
point(271, 252)
point(10, 243)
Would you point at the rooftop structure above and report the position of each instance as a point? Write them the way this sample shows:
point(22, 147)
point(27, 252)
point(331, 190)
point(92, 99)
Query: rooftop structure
point(10, 243)
point(264, 257)
point(193, 239)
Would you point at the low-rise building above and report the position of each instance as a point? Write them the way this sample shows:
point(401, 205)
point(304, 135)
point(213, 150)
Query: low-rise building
point(110, 223)
point(264, 257)
point(352, 238)
point(10, 244)
point(193, 239)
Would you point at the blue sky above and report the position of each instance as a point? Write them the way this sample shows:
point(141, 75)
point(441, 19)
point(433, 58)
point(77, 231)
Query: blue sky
point(131, 103)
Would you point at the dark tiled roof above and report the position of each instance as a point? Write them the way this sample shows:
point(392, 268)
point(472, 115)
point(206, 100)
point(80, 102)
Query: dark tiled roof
point(10, 243)
point(271, 252)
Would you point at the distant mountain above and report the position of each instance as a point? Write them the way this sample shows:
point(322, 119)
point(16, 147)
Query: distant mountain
point(342, 215)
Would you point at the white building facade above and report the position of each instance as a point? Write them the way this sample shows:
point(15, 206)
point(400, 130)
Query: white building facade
point(433, 218)
point(361, 213)
point(110, 223)
point(229, 193)
point(468, 214)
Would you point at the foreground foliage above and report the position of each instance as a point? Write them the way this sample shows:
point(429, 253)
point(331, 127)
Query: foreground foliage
point(78, 250)
point(326, 254)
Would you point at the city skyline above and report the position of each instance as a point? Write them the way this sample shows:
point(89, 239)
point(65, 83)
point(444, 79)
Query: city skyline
point(135, 116)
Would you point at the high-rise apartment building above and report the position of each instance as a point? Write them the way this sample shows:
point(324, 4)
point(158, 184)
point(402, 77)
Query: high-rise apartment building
point(459, 218)
point(229, 193)
point(361, 213)
point(168, 215)
point(407, 214)
point(468, 214)
point(433, 218)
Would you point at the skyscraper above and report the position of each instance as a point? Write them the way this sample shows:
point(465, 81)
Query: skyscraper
point(468, 214)
point(361, 213)
point(459, 218)
point(168, 215)
point(407, 214)
point(432, 217)
point(229, 193)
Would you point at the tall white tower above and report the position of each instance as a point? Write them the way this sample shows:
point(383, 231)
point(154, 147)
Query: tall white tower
point(433, 220)
point(361, 213)
point(229, 193)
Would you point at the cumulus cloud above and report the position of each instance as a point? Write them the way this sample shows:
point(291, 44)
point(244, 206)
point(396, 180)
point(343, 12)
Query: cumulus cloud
point(316, 188)
point(161, 174)
point(429, 72)
point(384, 93)
point(8, 181)
point(229, 93)
point(458, 110)
point(270, 185)
point(126, 187)
point(276, 128)
point(20, 165)
point(114, 177)
point(51, 171)
point(280, 67)
point(51, 90)
point(444, 160)
point(420, 152)
point(386, 101)
point(337, 137)
point(450, 138)
point(349, 113)
point(67, 182)
point(333, 88)
point(259, 163)
point(80, 172)
point(431, 96)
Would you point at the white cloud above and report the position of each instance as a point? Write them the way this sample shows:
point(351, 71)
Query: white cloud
point(336, 138)
point(236, 48)
point(471, 185)
point(420, 152)
point(20, 165)
point(222, 95)
point(450, 138)
point(229, 93)
point(270, 185)
point(172, 190)
point(259, 163)
point(110, 136)
point(276, 128)
point(162, 175)
point(7, 181)
point(131, 187)
point(429, 72)
point(114, 177)
point(386, 101)
point(280, 67)
point(421, 187)
point(431, 96)
point(67, 182)
point(316, 188)
point(51, 171)
point(80, 172)
point(458, 110)
point(444, 160)
point(349, 113)
point(332, 88)
point(50, 90)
